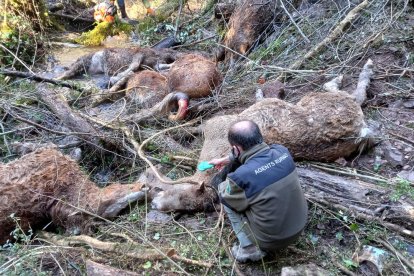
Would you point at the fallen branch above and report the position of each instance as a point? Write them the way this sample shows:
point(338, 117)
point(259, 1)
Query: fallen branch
point(382, 180)
point(144, 240)
point(71, 119)
point(293, 22)
point(188, 168)
point(361, 216)
point(74, 18)
point(158, 109)
point(130, 248)
point(139, 148)
point(331, 37)
point(193, 43)
point(398, 254)
point(141, 154)
point(38, 78)
point(405, 139)
point(27, 121)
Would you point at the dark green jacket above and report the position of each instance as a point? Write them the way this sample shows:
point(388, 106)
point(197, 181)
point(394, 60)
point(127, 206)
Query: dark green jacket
point(266, 188)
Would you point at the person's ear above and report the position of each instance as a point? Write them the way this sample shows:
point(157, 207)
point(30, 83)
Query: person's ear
point(236, 151)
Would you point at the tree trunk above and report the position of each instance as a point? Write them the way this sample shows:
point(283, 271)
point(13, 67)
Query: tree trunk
point(364, 200)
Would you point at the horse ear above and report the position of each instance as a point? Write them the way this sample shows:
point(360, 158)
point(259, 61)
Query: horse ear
point(201, 188)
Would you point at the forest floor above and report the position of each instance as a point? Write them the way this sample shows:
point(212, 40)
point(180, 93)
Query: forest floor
point(383, 32)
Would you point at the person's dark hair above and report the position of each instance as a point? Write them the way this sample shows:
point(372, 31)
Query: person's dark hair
point(245, 134)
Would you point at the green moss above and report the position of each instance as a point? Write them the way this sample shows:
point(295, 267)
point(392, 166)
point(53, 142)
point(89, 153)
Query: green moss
point(102, 30)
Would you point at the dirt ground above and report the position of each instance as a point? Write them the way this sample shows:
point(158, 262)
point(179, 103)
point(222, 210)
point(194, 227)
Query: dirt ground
point(384, 32)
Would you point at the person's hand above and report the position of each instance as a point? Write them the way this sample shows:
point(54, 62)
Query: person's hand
point(219, 163)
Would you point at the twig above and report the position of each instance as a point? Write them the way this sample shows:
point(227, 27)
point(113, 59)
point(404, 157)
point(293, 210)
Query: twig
point(33, 76)
point(293, 21)
point(221, 217)
point(361, 216)
point(349, 173)
point(342, 268)
point(402, 137)
point(184, 158)
point(5, 139)
point(193, 43)
point(178, 18)
point(17, 117)
point(398, 254)
point(58, 264)
point(139, 150)
point(188, 168)
point(131, 250)
point(74, 18)
point(235, 266)
point(190, 261)
point(332, 36)
point(15, 130)
point(17, 58)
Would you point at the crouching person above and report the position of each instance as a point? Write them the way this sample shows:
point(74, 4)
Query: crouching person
point(263, 198)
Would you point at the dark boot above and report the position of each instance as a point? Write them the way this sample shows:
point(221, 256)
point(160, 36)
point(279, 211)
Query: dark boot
point(248, 253)
point(123, 12)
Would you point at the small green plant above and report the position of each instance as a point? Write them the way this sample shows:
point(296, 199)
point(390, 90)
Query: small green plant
point(18, 234)
point(339, 236)
point(402, 188)
point(350, 264)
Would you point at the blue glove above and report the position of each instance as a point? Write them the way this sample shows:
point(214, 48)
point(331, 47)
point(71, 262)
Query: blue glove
point(203, 166)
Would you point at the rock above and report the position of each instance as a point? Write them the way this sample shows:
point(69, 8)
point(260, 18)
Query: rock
point(409, 104)
point(396, 104)
point(102, 177)
point(155, 216)
point(341, 161)
point(393, 155)
point(96, 269)
point(407, 174)
point(304, 270)
point(76, 154)
point(22, 148)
